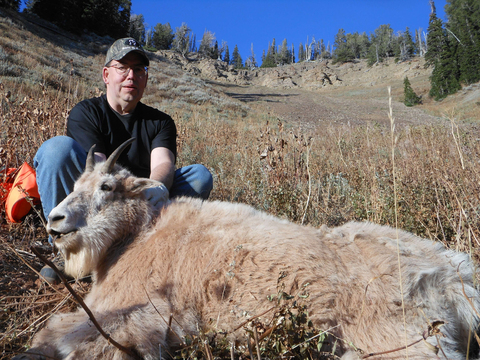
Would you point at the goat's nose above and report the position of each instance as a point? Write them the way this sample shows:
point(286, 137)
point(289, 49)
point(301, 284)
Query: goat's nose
point(56, 218)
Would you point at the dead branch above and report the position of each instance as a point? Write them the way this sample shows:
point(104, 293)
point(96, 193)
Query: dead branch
point(85, 307)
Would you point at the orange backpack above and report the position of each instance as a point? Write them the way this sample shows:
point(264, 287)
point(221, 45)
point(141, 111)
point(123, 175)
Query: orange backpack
point(19, 192)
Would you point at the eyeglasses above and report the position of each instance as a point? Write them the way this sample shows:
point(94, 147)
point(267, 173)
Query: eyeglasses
point(122, 70)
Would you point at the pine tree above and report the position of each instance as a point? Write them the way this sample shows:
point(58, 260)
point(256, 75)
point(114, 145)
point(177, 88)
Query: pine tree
point(411, 98)
point(322, 49)
point(215, 51)
point(364, 45)
point(137, 28)
point(236, 58)
point(283, 56)
point(436, 38)
point(269, 60)
point(342, 52)
point(445, 74)
point(162, 37)
point(373, 55)
point(226, 57)
point(192, 45)
point(10, 4)
point(353, 43)
point(464, 29)
point(107, 17)
point(301, 53)
point(103, 17)
point(409, 44)
point(207, 44)
point(383, 38)
point(65, 14)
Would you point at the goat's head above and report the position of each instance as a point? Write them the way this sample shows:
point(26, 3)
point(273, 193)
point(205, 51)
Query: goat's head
point(107, 207)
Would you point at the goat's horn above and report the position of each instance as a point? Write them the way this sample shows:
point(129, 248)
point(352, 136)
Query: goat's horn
point(112, 159)
point(90, 160)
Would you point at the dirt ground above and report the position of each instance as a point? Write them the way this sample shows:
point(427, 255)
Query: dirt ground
point(358, 96)
point(310, 110)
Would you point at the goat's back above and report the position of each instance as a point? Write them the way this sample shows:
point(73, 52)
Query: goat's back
point(214, 264)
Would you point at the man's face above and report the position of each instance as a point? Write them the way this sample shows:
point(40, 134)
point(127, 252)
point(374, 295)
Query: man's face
point(124, 91)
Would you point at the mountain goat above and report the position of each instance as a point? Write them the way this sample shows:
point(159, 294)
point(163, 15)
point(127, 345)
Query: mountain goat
point(212, 265)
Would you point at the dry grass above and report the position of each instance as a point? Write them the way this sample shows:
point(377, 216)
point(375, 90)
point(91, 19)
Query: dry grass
point(255, 158)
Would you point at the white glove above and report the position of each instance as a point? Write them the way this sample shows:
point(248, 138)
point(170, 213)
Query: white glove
point(157, 196)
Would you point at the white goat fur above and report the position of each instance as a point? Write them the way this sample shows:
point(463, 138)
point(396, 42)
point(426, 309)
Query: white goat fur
point(212, 263)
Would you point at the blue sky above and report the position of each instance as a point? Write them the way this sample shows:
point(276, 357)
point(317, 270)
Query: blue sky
point(259, 21)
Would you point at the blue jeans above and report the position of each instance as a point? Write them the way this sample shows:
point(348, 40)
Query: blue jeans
point(60, 161)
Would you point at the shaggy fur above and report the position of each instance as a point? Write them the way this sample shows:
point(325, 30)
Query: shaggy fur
point(213, 264)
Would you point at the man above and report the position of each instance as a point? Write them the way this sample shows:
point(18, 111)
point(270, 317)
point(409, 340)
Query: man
point(108, 121)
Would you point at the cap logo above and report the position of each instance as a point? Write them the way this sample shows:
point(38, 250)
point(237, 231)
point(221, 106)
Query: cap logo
point(132, 42)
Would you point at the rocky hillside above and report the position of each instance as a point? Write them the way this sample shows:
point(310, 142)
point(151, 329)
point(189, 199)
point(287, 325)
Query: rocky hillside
point(356, 81)
point(317, 82)
point(311, 75)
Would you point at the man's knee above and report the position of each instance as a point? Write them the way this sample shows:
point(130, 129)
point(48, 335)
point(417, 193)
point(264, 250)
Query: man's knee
point(193, 180)
point(59, 150)
point(203, 183)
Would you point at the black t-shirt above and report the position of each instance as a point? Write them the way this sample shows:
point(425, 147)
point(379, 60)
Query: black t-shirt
point(94, 122)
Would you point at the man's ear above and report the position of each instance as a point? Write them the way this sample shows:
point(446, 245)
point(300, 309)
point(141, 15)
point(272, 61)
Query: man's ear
point(140, 184)
point(105, 74)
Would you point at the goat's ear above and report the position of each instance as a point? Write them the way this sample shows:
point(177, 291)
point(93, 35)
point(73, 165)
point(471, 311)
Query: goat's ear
point(139, 184)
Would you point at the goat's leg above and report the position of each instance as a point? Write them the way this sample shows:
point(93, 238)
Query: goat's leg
point(59, 337)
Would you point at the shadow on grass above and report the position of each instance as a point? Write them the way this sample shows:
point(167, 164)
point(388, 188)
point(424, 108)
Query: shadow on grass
point(259, 97)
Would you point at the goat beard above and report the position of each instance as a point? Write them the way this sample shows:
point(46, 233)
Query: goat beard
point(79, 259)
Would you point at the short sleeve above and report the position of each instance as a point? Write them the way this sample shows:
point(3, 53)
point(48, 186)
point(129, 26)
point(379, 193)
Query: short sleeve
point(166, 136)
point(83, 125)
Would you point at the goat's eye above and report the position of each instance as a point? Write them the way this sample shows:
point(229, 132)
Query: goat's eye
point(105, 187)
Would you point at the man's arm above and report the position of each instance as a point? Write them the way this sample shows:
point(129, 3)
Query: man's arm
point(162, 166)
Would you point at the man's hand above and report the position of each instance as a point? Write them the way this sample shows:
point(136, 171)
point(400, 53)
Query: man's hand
point(157, 196)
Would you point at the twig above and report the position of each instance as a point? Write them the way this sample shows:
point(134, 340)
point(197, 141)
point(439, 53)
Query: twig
point(31, 268)
point(249, 344)
point(341, 153)
point(394, 140)
point(255, 335)
point(455, 127)
point(208, 351)
point(169, 323)
point(433, 330)
point(84, 306)
point(391, 351)
point(464, 293)
point(253, 318)
point(309, 186)
point(365, 298)
point(232, 351)
point(313, 337)
point(42, 318)
point(267, 332)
